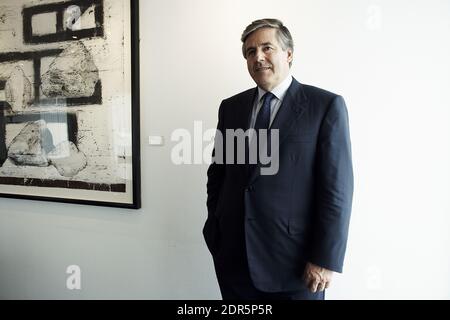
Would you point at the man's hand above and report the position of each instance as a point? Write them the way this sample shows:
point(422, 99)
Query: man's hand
point(317, 278)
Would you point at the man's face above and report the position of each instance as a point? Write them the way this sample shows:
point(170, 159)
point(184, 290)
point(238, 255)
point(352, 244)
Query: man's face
point(267, 62)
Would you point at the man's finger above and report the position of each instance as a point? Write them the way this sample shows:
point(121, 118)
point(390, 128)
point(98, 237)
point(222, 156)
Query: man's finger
point(321, 286)
point(327, 284)
point(313, 285)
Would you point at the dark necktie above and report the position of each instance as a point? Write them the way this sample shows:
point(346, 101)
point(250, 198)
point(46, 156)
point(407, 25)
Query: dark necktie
point(263, 118)
point(263, 121)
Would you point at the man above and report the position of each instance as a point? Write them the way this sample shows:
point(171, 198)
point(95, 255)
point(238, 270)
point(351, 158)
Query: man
point(280, 236)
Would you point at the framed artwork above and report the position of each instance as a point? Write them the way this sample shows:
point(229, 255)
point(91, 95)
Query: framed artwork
point(69, 101)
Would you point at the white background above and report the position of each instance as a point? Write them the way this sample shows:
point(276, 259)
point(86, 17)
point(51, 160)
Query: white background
point(390, 61)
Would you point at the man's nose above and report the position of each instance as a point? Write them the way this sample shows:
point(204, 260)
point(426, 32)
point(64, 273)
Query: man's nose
point(260, 56)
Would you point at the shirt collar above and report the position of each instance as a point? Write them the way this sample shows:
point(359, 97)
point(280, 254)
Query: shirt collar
point(279, 91)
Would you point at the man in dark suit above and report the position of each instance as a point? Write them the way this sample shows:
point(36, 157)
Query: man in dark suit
point(279, 235)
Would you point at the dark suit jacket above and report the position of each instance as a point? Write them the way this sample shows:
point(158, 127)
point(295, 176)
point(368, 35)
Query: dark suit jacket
point(300, 214)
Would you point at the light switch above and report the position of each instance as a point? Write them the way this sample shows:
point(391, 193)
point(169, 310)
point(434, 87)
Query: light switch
point(156, 140)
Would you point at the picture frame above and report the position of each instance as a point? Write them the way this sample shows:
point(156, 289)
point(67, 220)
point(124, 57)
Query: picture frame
point(69, 101)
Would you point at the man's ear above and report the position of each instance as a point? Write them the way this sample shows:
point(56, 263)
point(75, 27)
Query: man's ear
point(290, 55)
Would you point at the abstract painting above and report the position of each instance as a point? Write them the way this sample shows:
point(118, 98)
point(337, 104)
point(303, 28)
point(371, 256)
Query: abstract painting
point(69, 101)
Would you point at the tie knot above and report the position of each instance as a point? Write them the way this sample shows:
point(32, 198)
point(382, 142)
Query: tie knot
point(268, 97)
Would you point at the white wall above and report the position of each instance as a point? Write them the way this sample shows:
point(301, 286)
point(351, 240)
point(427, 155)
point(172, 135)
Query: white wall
point(389, 59)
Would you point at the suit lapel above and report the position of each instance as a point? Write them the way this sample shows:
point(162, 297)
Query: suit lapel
point(293, 106)
point(242, 116)
point(247, 108)
point(291, 109)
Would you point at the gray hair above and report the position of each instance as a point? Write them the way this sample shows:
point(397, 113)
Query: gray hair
point(283, 34)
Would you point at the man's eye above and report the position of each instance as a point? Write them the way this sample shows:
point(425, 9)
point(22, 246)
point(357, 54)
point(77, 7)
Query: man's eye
point(250, 53)
point(267, 48)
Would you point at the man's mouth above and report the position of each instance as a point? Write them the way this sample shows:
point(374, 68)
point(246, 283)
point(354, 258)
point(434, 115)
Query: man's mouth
point(262, 68)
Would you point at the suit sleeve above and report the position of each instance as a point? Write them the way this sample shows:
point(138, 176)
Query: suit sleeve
point(334, 191)
point(216, 170)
